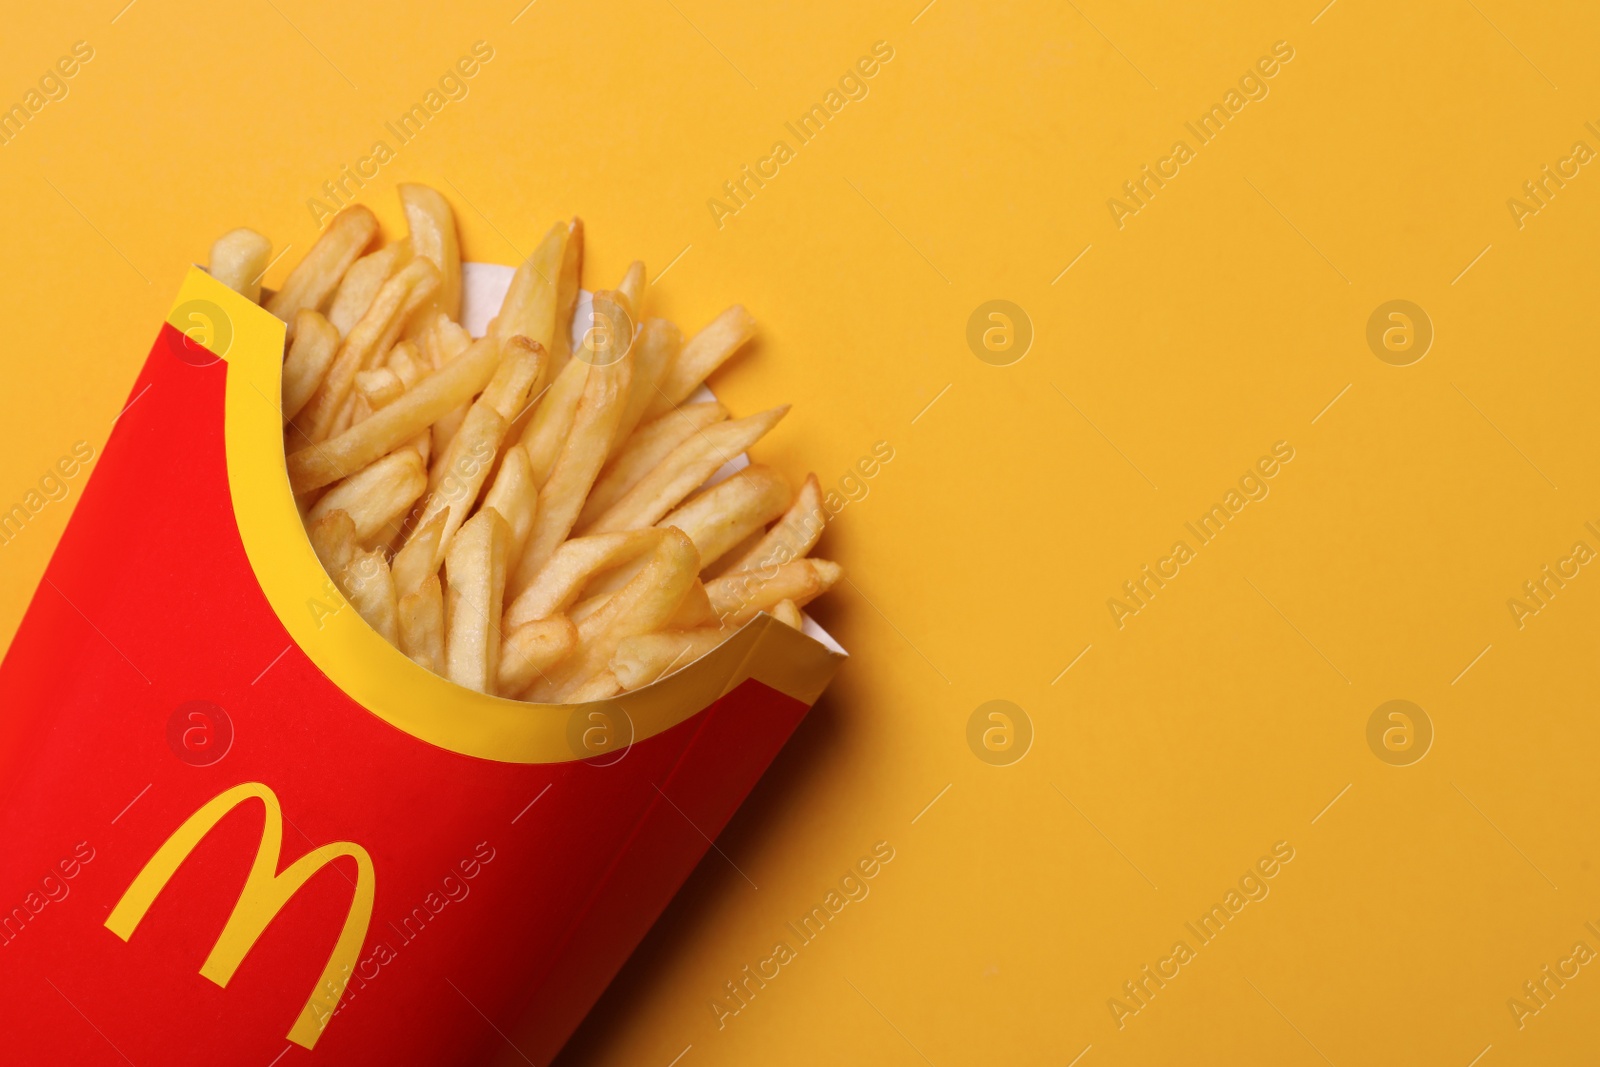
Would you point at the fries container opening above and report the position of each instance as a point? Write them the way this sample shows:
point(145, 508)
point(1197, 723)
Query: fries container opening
point(241, 827)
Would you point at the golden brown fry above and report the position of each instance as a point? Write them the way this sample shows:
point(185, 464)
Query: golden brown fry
point(516, 498)
point(422, 625)
point(422, 444)
point(644, 605)
point(654, 348)
point(366, 344)
point(571, 566)
point(313, 280)
point(443, 340)
point(792, 536)
point(738, 598)
point(602, 686)
point(689, 465)
point(310, 355)
point(362, 283)
point(545, 282)
point(532, 649)
point(788, 613)
point(376, 495)
point(475, 577)
point(644, 452)
point(459, 474)
point(589, 605)
point(705, 352)
point(317, 465)
point(379, 387)
point(630, 291)
point(406, 362)
point(333, 537)
point(551, 422)
point(370, 588)
point(417, 560)
point(568, 282)
point(643, 659)
point(695, 610)
point(719, 518)
point(239, 259)
point(433, 234)
point(584, 452)
point(522, 364)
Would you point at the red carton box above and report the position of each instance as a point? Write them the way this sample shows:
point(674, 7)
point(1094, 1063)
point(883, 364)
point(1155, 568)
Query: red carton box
point(240, 827)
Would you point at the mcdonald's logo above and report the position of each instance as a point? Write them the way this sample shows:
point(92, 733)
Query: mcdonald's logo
point(264, 895)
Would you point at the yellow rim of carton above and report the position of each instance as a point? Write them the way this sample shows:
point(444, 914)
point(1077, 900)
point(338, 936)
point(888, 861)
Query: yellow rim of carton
point(355, 657)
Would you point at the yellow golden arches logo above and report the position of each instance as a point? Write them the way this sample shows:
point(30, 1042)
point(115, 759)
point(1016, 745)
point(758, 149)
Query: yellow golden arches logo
point(264, 895)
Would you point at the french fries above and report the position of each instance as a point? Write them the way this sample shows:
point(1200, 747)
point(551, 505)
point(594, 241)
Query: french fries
point(377, 494)
point(526, 519)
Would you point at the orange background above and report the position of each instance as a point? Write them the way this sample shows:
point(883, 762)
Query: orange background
point(1221, 318)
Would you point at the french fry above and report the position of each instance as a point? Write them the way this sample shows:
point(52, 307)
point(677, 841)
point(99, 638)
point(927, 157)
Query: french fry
point(643, 659)
point(563, 578)
point(788, 613)
point(530, 650)
point(522, 365)
point(422, 445)
point(458, 475)
point(475, 578)
point(515, 497)
point(588, 606)
point(792, 536)
point(694, 610)
point(239, 259)
point(654, 348)
point(551, 422)
point(443, 341)
point(644, 452)
point(310, 355)
point(718, 518)
point(433, 235)
point(366, 344)
point(317, 465)
point(689, 465)
point(418, 558)
point(376, 495)
point(705, 352)
point(421, 615)
point(362, 283)
point(379, 387)
point(406, 362)
point(316, 276)
point(644, 605)
point(738, 598)
point(333, 538)
point(568, 282)
point(561, 497)
point(602, 686)
point(369, 586)
point(543, 292)
point(630, 290)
